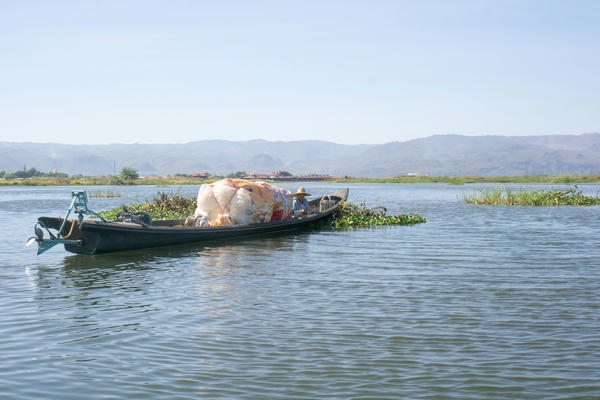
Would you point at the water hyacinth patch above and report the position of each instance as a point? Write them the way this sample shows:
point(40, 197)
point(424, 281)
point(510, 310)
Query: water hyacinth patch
point(352, 215)
point(164, 206)
point(572, 196)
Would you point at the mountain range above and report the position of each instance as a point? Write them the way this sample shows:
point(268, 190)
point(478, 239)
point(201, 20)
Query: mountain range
point(439, 155)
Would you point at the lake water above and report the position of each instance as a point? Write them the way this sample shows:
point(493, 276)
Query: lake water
point(481, 302)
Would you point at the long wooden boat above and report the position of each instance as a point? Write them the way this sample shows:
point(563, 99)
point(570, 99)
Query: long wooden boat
point(83, 236)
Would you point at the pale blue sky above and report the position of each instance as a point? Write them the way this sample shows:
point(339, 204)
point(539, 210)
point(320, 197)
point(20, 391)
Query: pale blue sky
point(343, 71)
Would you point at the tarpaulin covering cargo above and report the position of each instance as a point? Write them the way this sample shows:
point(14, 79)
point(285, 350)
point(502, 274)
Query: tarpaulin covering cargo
point(241, 202)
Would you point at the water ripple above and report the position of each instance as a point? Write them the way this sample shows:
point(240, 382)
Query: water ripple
point(480, 302)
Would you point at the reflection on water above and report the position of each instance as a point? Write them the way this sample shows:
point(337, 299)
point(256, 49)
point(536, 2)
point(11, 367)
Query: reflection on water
point(134, 273)
point(218, 254)
point(479, 302)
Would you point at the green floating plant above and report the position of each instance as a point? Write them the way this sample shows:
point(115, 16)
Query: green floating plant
point(352, 215)
point(499, 195)
point(164, 206)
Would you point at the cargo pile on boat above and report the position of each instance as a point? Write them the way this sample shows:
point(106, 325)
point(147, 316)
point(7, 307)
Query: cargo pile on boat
point(228, 202)
point(232, 202)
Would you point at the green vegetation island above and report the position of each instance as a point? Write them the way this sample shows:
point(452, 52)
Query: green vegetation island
point(130, 176)
point(503, 195)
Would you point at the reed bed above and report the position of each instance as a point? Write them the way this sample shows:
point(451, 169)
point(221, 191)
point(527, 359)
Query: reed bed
point(104, 194)
point(503, 195)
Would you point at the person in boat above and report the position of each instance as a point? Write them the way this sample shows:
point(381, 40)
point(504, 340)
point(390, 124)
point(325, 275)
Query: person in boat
point(300, 203)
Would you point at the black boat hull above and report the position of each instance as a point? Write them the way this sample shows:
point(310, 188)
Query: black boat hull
point(96, 237)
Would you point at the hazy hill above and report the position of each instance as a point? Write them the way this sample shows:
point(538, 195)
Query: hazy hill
point(435, 155)
point(214, 156)
point(485, 156)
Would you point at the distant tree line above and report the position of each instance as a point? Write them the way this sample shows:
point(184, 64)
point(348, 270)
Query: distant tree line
point(238, 174)
point(31, 173)
point(127, 175)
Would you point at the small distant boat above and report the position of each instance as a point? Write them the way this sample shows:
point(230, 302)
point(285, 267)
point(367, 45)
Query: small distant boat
point(94, 237)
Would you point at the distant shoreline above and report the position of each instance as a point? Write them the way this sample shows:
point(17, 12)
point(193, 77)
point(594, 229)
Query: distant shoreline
point(459, 180)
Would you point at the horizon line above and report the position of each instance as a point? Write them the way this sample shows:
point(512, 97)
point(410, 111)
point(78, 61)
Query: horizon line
point(295, 141)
